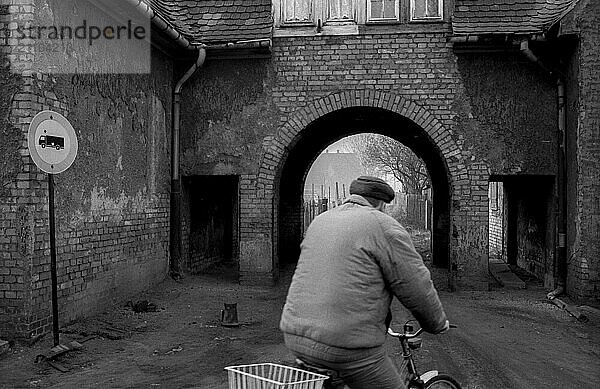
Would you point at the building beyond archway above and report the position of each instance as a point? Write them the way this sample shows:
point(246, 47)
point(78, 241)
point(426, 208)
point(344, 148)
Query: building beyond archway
point(336, 125)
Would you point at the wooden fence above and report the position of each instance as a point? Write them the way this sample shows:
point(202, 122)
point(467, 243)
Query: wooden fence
point(410, 210)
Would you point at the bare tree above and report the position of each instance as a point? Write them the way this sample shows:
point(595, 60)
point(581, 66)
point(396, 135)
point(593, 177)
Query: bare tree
point(379, 153)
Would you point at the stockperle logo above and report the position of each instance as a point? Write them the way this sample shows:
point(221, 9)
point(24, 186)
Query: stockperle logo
point(78, 36)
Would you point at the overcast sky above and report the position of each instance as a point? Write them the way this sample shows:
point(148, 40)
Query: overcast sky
point(342, 145)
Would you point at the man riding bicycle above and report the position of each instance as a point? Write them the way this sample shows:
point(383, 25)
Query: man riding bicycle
point(353, 259)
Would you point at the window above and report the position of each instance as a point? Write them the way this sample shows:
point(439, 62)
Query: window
point(340, 10)
point(382, 10)
point(344, 17)
point(426, 9)
point(303, 12)
point(297, 11)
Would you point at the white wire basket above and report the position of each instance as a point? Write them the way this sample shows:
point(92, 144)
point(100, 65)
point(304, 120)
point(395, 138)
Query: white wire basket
point(272, 376)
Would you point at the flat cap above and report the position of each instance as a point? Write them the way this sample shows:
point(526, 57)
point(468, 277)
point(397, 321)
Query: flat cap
point(372, 187)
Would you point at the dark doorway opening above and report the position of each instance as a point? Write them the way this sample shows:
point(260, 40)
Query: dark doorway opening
point(523, 205)
point(212, 237)
point(307, 146)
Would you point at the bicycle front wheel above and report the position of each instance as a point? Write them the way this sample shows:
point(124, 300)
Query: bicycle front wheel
point(442, 381)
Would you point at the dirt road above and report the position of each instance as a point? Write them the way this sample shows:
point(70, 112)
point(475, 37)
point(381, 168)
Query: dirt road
point(506, 339)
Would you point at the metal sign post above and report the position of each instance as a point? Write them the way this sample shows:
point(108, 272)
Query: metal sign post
point(53, 259)
point(52, 144)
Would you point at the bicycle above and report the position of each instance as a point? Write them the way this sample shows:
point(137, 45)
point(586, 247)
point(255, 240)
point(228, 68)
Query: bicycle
point(431, 379)
point(409, 341)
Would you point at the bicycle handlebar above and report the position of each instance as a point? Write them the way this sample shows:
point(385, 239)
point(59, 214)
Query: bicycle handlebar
point(409, 335)
point(406, 335)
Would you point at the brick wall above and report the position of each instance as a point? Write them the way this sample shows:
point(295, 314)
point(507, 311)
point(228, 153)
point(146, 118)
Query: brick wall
point(481, 115)
point(112, 205)
point(584, 143)
point(17, 218)
point(186, 216)
point(414, 74)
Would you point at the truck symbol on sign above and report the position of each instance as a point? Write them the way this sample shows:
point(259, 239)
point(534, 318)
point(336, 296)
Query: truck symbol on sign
point(52, 141)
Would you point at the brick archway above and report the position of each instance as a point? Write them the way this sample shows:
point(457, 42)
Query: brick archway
point(259, 194)
point(277, 146)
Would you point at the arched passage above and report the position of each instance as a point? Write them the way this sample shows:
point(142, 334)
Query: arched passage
point(268, 197)
point(307, 145)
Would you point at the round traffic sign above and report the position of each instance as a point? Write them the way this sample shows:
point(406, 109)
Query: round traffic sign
point(52, 142)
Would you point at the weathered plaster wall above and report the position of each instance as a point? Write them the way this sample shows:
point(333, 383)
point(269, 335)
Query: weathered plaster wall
point(228, 111)
point(114, 201)
point(507, 113)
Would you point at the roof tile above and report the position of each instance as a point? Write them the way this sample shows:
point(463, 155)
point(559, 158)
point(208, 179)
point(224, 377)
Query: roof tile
point(508, 16)
point(221, 21)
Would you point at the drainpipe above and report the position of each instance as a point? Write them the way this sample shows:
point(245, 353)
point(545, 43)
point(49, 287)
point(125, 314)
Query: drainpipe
point(561, 247)
point(561, 267)
point(175, 246)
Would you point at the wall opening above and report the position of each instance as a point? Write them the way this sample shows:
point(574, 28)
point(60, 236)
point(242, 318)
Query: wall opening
point(314, 139)
point(497, 221)
point(327, 183)
point(211, 230)
point(521, 224)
